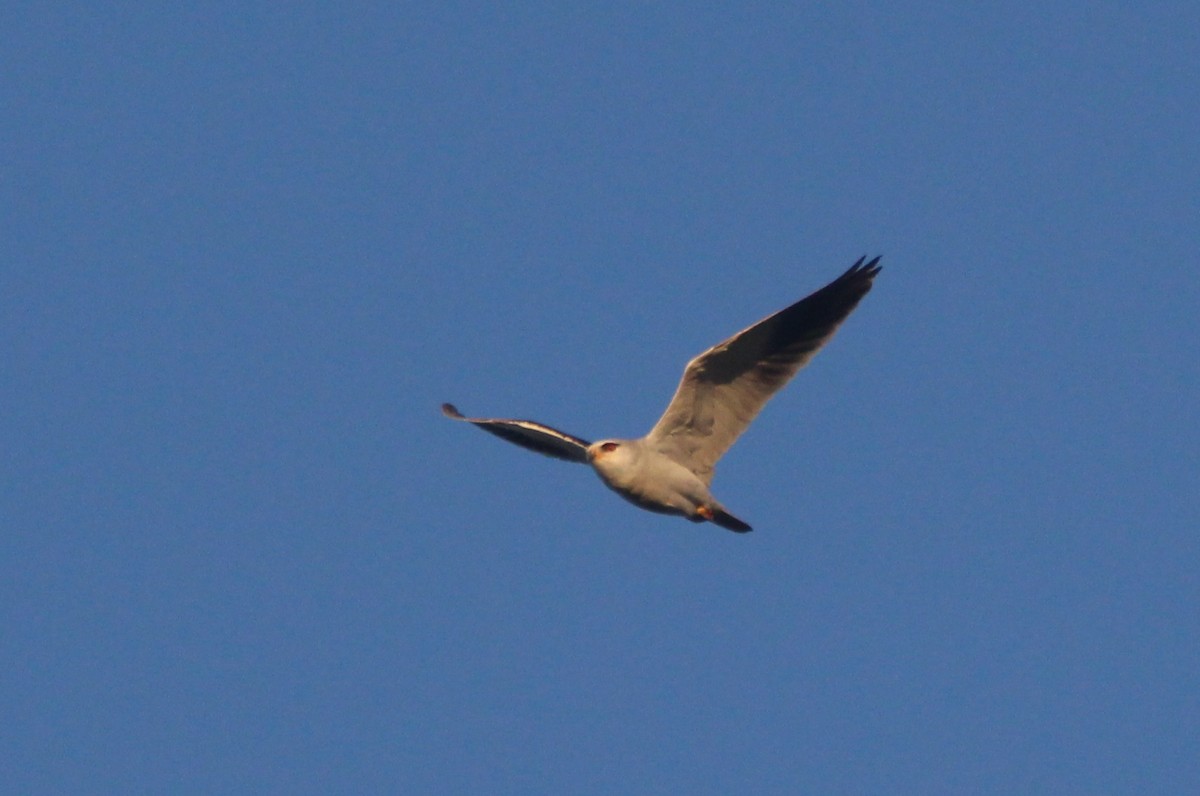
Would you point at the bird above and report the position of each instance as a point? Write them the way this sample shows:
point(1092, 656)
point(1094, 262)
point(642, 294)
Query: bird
point(670, 469)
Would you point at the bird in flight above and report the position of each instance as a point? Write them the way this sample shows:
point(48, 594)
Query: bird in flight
point(722, 390)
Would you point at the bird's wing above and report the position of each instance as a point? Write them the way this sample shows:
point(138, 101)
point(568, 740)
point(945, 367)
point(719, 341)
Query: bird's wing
point(724, 388)
point(528, 434)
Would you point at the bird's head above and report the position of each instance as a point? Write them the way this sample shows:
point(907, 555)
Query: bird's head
point(614, 459)
point(605, 448)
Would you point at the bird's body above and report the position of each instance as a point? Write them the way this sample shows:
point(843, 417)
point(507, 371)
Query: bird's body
point(650, 479)
point(722, 390)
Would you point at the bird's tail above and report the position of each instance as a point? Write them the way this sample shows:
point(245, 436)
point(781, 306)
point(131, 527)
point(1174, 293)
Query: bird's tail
point(728, 521)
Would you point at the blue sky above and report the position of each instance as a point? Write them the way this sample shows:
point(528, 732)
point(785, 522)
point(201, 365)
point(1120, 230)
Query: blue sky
point(248, 251)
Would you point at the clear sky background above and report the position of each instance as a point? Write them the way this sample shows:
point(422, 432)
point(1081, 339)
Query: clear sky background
point(246, 251)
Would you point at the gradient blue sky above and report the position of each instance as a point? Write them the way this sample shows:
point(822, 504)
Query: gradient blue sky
point(248, 250)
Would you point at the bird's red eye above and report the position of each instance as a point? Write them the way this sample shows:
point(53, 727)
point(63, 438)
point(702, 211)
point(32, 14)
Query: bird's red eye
point(608, 447)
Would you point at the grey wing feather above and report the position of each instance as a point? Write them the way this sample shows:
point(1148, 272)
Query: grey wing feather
point(528, 434)
point(724, 388)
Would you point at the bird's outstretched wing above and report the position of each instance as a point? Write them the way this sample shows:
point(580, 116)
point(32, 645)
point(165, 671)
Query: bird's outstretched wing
point(528, 434)
point(724, 388)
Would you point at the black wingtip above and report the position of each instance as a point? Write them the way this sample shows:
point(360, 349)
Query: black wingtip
point(449, 410)
point(864, 268)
